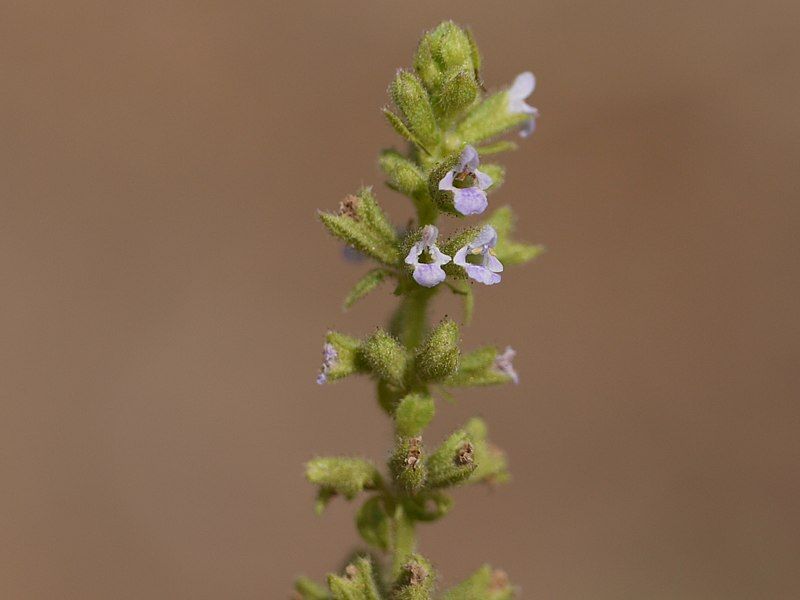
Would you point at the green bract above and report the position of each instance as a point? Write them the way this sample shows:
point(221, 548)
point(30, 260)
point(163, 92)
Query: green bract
point(447, 123)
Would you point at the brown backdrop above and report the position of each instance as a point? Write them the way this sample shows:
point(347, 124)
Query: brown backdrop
point(166, 289)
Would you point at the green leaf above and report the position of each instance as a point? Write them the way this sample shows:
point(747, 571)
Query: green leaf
point(342, 475)
point(413, 414)
point(371, 280)
point(477, 368)
point(400, 128)
point(496, 148)
point(374, 524)
point(428, 505)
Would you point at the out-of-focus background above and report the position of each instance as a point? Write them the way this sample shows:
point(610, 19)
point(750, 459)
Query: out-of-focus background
point(166, 288)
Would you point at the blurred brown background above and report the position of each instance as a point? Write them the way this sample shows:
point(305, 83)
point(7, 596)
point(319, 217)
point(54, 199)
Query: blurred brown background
point(166, 289)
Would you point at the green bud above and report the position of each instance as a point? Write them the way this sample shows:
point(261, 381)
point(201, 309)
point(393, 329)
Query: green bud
point(344, 476)
point(404, 176)
point(412, 100)
point(457, 92)
point(437, 357)
point(426, 66)
point(362, 224)
point(385, 357)
point(407, 466)
point(507, 250)
point(371, 280)
point(492, 464)
point(308, 589)
point(485, 584)
point(413, 414)
point(358, 582)
point(453, 461)
point(416, 580)
point(451, 48)
point(347, 359)
point(374, 524)
point(489, 119)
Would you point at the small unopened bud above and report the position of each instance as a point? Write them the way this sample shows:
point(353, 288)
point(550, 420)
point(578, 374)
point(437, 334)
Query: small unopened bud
point(452, 462)
point(407, 466)
point(438, 356)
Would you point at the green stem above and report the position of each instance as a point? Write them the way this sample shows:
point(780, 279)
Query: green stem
point(404, 540)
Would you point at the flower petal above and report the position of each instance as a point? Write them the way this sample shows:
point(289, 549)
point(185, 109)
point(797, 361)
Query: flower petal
point(482, 275)
point(523, 85)
point(428, 275)
point(484, 181)
point(439, 257)
point(469, 159)
point(470, 201)
point(413, 255)
point(446, 182)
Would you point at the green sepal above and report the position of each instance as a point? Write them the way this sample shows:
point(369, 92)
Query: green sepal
point(404, 175)
point(428, 505)
point(443, 199)
point(371, 280)
point(452, 463)
point(452, 245)
point(415, 581)
point(385, 357)
point(308, 589)
point(456, 93)
point(374, 524)
point(362, 224)
point(477, 368)
point(342, 475)
point(407, 466)
point(401, 128)
point(357, 584)
point(411, 98)
point(348, 360)
point(507, 250)
point(492, 464)
point(485, 584)
point(437, 357)
point(489, 119)
point(413, 413)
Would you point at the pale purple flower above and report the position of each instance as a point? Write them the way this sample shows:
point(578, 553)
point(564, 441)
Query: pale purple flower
point(485, 266)
point(428, 274)
point(329, 358)
point(503, 363)
point(471, 199)
point(523, 87)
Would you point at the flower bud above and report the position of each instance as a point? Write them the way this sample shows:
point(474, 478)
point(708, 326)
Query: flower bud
point(407, 466)
point(437, 357)
point(415, 581)
point(412, 100)
point(453, 461)
point(385, 357)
